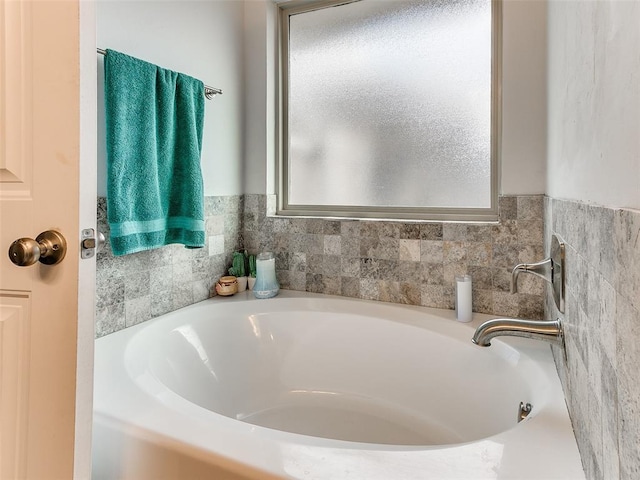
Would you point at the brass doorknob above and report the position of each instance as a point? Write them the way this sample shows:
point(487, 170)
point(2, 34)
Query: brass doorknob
point(49, 247)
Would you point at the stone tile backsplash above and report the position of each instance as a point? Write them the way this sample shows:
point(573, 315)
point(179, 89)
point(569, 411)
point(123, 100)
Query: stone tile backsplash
point(602, 333)
point(133, 288)
point(409, 263)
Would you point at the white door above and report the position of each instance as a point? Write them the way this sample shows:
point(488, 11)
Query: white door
point(40, 143)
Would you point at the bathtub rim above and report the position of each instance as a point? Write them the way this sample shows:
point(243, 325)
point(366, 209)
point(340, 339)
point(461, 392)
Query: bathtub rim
point(240, 436)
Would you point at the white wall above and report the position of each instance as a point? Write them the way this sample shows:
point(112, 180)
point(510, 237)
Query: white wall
point(260, 88)
point(594, 102)
point(523, 92)
point(201, 39)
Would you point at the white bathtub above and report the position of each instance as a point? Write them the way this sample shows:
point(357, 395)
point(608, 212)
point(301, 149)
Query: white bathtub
point(316, 387)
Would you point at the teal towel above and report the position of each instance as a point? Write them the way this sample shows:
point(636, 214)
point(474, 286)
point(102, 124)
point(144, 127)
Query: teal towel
point(154, 120)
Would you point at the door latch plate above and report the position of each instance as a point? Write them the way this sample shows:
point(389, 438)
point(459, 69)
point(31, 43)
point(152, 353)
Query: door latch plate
point(89, 243)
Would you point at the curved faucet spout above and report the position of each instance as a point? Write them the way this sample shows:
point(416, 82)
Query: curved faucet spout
point(548, 331)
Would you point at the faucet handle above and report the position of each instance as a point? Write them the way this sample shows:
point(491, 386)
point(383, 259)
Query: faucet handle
point(550, 269)
point(542, 269)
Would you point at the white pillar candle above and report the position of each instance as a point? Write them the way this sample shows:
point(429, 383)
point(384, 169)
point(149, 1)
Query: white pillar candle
point(464, 310)
point(266, 270)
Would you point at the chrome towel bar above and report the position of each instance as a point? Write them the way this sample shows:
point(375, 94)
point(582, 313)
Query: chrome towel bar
point(209, 92)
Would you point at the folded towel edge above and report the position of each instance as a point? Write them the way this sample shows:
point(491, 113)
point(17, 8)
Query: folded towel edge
point(131, 227)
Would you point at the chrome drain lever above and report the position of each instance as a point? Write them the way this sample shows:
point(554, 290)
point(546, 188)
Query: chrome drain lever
point(523, 411)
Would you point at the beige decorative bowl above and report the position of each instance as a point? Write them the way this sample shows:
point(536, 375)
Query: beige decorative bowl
point(227, 286)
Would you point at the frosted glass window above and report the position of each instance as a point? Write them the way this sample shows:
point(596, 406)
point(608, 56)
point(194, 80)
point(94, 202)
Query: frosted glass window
point(389, 106)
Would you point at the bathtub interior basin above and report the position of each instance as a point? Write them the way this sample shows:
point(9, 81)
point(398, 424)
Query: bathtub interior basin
point(307, 386)
point(334, 369)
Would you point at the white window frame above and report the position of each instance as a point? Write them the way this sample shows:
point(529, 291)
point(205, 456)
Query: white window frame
point(284, 208)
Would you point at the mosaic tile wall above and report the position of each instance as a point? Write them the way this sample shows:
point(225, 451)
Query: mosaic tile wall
point(602, 323)
point(133, 288)
point(409, 263)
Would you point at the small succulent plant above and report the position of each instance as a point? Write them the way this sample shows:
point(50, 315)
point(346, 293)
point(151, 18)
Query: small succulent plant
point(238, 265)
point(252, 266)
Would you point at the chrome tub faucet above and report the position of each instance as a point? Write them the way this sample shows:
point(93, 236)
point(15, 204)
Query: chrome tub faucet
point(551, 270)
point(548, 331)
